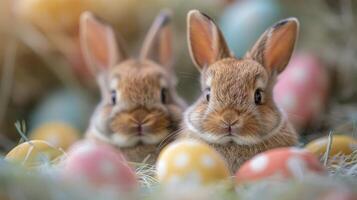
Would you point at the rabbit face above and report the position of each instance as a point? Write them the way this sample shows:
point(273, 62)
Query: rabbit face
point(139, 101)
point(236, 104)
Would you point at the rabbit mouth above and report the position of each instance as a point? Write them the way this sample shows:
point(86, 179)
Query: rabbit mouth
point(229, 138)
point(226, 138)
point(140, 138)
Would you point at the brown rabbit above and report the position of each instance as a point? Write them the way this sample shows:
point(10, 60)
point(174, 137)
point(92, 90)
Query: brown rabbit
point(139, 106)
point(236, 113)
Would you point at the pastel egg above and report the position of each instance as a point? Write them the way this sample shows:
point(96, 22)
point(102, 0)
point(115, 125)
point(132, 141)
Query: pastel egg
point(54, 15)
point(62, 16)
point(34, 153)
point(301, 90)
point(280, 163)
point(99, 164)
point(190, 161)
point(341, 144)
point(57, 134)
point(244, 21)
point(68, 106)
point(339, 193)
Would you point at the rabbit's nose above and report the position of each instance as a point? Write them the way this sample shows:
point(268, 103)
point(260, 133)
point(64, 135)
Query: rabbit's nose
point(230, 117)
point(144, 125)
point(229, 129)
point(140, 114)
point(140, 129)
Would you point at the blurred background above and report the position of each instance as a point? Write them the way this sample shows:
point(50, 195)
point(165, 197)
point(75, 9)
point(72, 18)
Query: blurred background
point(44, 82)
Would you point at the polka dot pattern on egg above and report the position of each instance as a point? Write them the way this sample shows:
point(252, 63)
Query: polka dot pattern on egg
point(99, 164)
point(57, 134)
point(182, 160)
point(34, 153)
point(207, 161)
point(341, 144)
point(282, 163)
point(301, 90)
point(259, 163)
point(190, 161)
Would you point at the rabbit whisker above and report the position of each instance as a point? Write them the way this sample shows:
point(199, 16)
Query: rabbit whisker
point(169, 136)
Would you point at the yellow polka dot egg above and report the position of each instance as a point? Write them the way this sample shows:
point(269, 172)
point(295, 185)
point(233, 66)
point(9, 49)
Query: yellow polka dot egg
point(34, 153)
point(341, 144)
point(190, 161)
point(57, 134)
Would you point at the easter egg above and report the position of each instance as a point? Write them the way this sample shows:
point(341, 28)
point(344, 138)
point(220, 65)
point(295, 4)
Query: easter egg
point(62, 16)
point(341, 144)
point(57, 134)
point(113, 10)
point(340, 194)
point(67, 106)
point(280, 163)
point(190, 161)
point(244, 21)
point(100, 165)
point(34, 153)
point(301, 90)
point(50, 16)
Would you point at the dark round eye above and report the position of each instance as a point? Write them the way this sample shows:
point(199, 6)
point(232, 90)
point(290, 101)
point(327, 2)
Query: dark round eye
point(164, 94)
point(114, 97)
point(258, 96)
point(208, 94)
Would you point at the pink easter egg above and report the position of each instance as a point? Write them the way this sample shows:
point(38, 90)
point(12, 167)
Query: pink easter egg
point(301, 90)
point(340, 194)
point(99, 164)
point(280, 163)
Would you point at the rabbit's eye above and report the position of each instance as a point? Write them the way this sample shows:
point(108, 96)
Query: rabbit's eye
point(114, 97)
point(258, 96)
point(164, 95)
point(208, 94)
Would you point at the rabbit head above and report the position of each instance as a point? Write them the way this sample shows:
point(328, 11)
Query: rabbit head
point(139, 102)
point(236, 104)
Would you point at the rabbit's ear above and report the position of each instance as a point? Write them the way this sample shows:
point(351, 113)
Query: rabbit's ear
point(98, 44)
point(158, 41)
point(275, 47)
point(205, 40)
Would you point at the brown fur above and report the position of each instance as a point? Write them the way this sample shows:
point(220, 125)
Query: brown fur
point(229, 119)
point(132, 114)
point(140, 153)
point(236, 155)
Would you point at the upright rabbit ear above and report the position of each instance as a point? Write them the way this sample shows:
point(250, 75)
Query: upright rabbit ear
point(98, 43)
point(275, 47)
point(158, 42)
point(205, 41)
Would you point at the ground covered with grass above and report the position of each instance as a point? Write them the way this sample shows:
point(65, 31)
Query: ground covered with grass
point(46, 182)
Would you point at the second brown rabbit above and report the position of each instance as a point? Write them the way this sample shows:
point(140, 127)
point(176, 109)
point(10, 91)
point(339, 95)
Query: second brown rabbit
point(139, 107)
point(236, 113)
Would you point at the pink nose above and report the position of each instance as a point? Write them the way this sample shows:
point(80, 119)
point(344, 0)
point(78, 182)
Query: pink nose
point(140, 129)
point(140, 114)
point(229, 117)
point(229, 129)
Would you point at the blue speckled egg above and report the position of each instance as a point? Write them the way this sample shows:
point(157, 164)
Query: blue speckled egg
point(244, 21)
point(71, 107)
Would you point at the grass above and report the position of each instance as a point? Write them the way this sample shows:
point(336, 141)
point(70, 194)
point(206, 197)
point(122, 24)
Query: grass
point(17, 183)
